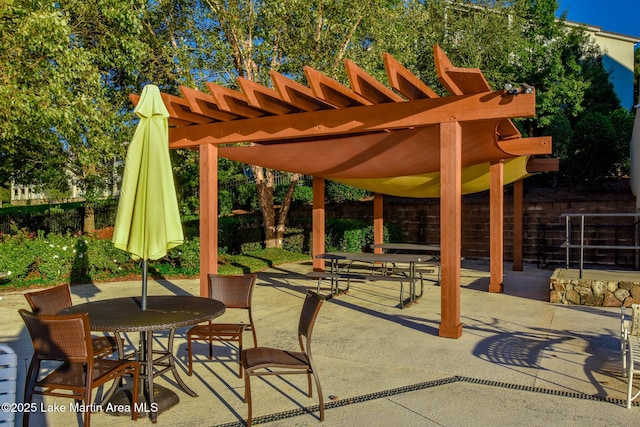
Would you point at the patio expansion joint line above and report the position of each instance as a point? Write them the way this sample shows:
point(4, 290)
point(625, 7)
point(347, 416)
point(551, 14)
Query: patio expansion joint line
point(312, 410)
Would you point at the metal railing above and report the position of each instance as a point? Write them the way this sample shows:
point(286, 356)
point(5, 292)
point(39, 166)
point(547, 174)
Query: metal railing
point(582, 245)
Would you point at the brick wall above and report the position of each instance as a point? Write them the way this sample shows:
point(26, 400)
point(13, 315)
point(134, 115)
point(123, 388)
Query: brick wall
point(543, 228)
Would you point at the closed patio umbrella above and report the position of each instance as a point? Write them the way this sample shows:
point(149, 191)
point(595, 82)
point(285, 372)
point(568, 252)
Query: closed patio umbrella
point(148, 220)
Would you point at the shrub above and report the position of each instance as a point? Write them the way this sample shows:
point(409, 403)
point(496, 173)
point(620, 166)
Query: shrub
point(183, 260)
point(301, 193)
point(348, 235)
point(17, 255)
point(337, 192)
point(225, 203)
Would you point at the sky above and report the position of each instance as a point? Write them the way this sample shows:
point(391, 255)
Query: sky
point(616, 16)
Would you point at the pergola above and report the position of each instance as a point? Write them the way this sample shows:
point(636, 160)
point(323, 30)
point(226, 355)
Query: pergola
point(395, 140)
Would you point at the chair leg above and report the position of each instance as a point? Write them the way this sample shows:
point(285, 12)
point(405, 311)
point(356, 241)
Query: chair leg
point(320, 398)
point(247, 397)
point(309, 385)
point(87, 412)
point(34, 368)
point(255, 338)
point(239, 353)
point(189, 356)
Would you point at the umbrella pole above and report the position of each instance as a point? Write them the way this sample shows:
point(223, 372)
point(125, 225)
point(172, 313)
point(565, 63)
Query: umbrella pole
point(144, 284)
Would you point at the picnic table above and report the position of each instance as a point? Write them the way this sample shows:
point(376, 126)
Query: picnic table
point(379, 267)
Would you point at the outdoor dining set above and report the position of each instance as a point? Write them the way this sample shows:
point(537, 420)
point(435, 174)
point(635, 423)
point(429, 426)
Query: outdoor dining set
point(68, 361)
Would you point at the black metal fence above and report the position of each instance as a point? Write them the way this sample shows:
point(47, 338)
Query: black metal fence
point(57, 220)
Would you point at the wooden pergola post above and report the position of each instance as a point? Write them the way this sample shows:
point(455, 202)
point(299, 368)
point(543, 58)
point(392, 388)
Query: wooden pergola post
point(378, 221)
point(318, 223)
point(450, 227)
point(496, 225)
point(208, 214)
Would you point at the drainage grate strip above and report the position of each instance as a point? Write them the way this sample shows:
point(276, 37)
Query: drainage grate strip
point(422, 386)
point(564, 393)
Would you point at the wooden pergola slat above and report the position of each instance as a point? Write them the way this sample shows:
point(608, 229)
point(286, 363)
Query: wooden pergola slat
point(405, 82)
point(298, 94)
point(205, 104)
point(265, 99)
point(458, 81)
point(366, 86)
point(331, 91)
point(233, 102)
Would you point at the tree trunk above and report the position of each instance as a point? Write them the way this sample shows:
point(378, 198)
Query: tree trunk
point(89, 220)
point(284, 209)
point(274, 226)
point(264, 186)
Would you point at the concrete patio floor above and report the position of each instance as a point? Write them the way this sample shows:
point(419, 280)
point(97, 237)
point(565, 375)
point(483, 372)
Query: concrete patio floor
point(520, 360)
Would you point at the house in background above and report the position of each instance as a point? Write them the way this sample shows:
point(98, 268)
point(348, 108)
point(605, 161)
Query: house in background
point(618, 59)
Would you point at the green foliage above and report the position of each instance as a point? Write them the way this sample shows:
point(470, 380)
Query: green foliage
point(337, 192)
point(622, 122)
point(562, 134)
point(246, 197)
point(5, 195)
point(348, 235)
point(64, 66)
point(183, 260)
point(592, 152)
point(238, 231)
point(16, 256)
point(298, 239)
point(597, 148)
point(301, 194)
point(55, 259)
point(225, 203)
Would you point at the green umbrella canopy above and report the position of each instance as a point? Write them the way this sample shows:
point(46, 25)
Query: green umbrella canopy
point(148, 220)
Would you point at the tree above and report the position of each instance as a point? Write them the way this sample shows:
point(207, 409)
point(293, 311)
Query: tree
point(66, 67)
point(523, 41)
point(592, 150)
point(252, 37)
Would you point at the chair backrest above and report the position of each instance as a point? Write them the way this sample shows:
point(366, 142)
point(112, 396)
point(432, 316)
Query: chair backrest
point(310, 309)
point(235, 291)
point(60, 337)
point(49, 301)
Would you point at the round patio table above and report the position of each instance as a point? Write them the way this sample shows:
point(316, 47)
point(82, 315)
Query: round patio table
point(163, 313)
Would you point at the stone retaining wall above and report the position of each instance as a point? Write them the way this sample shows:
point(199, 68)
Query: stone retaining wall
point(593, 292)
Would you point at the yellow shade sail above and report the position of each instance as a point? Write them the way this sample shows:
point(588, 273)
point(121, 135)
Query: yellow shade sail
point(475, 179)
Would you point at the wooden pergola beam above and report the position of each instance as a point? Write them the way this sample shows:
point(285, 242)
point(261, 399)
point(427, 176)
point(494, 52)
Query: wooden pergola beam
point(362, 119)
